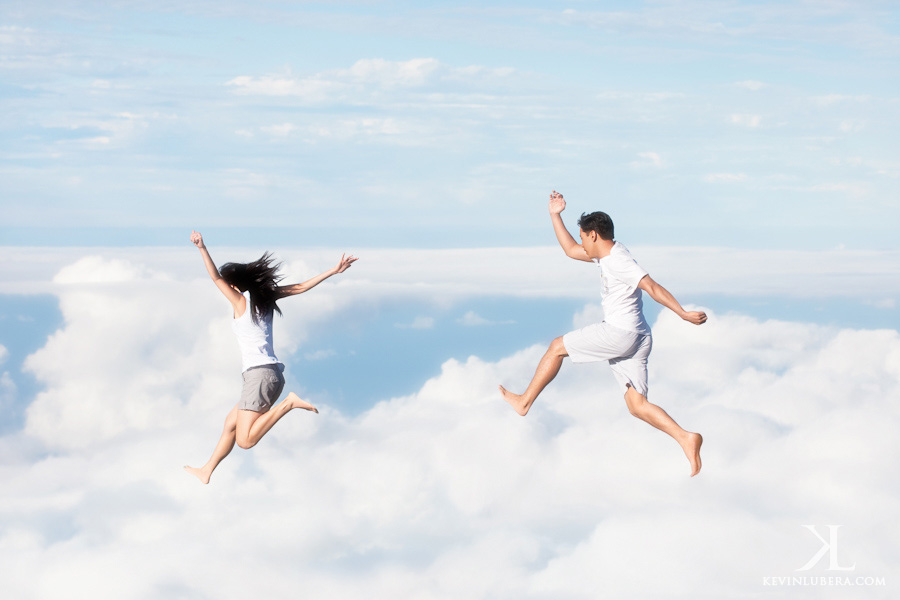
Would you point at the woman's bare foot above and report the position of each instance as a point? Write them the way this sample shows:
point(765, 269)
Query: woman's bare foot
point(692, 450)
point(294, 401)
point(517, 402)
point(200, 474)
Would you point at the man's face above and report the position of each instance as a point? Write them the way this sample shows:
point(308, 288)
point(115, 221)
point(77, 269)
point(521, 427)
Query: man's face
point(588, 241)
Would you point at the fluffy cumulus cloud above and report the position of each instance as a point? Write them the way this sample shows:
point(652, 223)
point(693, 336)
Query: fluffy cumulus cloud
point(120, 314)
point(444, 493)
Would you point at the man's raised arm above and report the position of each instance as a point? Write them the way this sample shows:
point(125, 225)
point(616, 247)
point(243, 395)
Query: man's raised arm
point(572, 248)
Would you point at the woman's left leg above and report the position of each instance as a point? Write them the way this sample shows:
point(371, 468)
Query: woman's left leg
point(252, 425)
point(223, 448)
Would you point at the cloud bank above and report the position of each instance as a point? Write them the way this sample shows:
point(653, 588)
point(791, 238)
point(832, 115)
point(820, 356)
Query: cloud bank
point(444, 493)
point(467, 272)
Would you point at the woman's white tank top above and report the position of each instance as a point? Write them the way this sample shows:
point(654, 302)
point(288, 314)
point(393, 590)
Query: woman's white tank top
point(254, 339)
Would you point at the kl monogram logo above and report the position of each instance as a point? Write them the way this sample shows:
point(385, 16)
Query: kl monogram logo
point(828, 547)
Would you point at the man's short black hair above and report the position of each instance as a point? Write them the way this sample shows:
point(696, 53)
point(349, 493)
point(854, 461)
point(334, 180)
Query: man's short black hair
point(597, 221)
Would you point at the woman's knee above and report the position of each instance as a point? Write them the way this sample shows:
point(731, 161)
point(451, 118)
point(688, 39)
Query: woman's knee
point(242, 432)
point(244, 441)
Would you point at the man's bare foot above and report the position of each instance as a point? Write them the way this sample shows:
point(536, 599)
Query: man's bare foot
point(200, 474)
point(517, 402)
point(294, 401)
point(692, 450)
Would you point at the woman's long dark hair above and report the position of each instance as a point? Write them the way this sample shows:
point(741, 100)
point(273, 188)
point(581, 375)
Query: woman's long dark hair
point(259, 277)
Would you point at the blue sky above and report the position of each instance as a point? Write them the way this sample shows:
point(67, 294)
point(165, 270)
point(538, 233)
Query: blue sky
point(746, 151)
point(693, 123)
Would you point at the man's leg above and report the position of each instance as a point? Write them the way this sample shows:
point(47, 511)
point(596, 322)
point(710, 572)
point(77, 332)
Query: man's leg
point(252, 425)
point(223, 448)
point(546, 371)
point(640, 407)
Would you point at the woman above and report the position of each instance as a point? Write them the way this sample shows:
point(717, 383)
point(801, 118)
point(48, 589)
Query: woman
point(253, 290)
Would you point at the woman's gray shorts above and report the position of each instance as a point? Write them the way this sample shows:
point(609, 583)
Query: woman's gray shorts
point(626, 351)
point(262, 386)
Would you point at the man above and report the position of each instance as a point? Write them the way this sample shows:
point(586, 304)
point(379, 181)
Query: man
point(623, 337)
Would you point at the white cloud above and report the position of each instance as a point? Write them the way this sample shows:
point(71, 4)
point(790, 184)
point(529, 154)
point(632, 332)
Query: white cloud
point(851, 189)
point(830, 99)
point(753, 86)
point(725, 177)
point(355, 84)
point(478, 272)
point(387, 73)
point(799, 423)
point(640, 97)
point(885, 303)
point(117, 315)
point(852, 125)
point(648, 159)
point(309, 89)
point(14, 35)
point(751, 121)
point(118, 129)
point(319, 354)
point(244, 184)
point(97, 270)
point(419, 322)
point(591, 313)
point(473, 319)
point(279, 130)
point(717, 25)
point(382, 128)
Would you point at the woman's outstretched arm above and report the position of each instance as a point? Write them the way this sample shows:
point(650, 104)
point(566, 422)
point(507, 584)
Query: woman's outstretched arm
point(298, 288)
point(235, 297)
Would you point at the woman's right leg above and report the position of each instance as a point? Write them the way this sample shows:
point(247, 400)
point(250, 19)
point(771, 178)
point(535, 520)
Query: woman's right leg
point(223, 448)
point(252, 425)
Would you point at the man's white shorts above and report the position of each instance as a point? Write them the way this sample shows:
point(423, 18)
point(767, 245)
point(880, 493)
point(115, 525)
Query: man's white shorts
point(626, 351)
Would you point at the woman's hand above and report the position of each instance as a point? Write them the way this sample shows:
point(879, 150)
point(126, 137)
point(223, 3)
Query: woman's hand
point(345, 263)
point(197, 239)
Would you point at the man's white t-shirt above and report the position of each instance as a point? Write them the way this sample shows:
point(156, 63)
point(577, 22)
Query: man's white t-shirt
point(623, 305)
